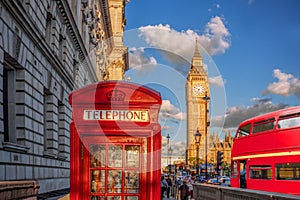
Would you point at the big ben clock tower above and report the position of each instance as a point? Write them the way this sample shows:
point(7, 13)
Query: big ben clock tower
point(197, 93)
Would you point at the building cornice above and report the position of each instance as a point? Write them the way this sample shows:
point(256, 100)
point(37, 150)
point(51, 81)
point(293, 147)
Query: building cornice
point(106, 16)
point(72, 27)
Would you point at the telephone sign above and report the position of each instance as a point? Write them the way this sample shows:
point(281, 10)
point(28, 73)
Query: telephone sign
point(117, 115)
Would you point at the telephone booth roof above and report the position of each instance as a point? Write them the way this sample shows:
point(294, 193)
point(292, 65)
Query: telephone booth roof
point(115, 103)
point(115, 92)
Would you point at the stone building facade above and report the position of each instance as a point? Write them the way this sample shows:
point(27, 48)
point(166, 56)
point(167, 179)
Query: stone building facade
point(224, 145)
point(48, 49)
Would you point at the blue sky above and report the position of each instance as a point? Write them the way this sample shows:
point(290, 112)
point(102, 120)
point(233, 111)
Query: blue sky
point(250, 47)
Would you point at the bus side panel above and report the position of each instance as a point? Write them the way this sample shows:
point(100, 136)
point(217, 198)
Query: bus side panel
point(287, 186)
point(273, 185)
point(234, 182)
point(287, 138)
point(261, 184)
point(256, 143)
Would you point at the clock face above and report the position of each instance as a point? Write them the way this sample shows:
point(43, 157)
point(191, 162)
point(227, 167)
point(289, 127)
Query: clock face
point(198, 89)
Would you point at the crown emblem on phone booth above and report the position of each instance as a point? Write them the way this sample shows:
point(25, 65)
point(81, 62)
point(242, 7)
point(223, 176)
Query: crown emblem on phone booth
point(115, 95)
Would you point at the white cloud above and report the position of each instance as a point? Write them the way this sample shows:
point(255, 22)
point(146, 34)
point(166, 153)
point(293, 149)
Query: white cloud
point(178, 147)
point(169, 111)
point(286, 85)
point(217, 81)
point(137, 60)
point(235, 115)
point(215, 39)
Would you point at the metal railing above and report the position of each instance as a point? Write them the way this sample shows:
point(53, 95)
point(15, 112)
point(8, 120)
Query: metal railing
point(213, 192)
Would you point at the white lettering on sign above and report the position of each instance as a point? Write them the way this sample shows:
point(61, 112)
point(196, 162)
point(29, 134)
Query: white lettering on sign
point(117, 115)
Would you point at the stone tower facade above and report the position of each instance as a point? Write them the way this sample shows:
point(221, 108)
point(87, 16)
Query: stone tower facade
point(197, 100)
point(118, 58)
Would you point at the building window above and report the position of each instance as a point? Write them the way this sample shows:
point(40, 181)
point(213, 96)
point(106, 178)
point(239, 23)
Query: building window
point(288, 171)
point(11, 141)
point(9, 91)
point(261, 172)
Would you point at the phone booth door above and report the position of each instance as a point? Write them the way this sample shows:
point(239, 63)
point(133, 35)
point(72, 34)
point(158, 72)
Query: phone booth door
point(115, 168)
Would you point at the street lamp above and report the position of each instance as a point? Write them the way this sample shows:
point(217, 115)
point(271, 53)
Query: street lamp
point(197, 142)
point(168, 147)
point(206, 99)
point(170, 154)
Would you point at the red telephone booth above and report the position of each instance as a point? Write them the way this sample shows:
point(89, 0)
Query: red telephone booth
point(115, 142)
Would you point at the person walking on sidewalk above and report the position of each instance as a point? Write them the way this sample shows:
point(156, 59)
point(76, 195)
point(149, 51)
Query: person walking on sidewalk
point(163, 187)
point(170, 184)
point(184, 191)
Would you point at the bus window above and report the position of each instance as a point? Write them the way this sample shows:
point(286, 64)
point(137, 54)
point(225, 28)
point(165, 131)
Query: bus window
point(234, 168)
point(244, 131)
point(264, 125)
point(288, 171)
point(288, 121)
point(260, 172)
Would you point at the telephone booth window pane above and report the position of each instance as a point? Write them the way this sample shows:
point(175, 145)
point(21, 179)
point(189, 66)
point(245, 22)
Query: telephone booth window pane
point(114, 181)
point(97, 198)
point(97, 181)
point(132, 181)
point(132, 198)
point(132, 155)
point(114, 198)
point(115, 156)
point(97, 155)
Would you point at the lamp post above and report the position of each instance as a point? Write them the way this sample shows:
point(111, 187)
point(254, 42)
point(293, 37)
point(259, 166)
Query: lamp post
point(206, 99)
point(168, 142)
point(197, 142)
point(170, 154)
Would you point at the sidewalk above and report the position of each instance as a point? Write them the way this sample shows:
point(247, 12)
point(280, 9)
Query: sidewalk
point(67, 197)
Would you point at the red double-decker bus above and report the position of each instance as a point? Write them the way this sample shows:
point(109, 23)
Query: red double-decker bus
point(266, 152)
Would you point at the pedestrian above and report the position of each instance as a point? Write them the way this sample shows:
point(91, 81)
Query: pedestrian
point(179, 181)
point(184, 191)
point(170, 184)
point(190, 185)
point(163, 187)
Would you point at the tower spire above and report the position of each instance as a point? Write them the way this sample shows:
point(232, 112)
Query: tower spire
point(197, 52)
point(197, 58)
